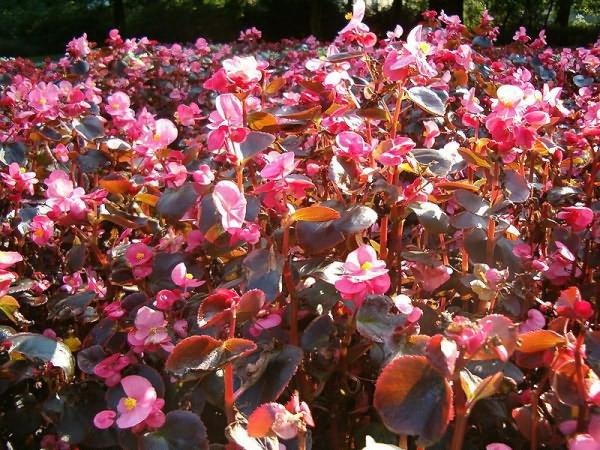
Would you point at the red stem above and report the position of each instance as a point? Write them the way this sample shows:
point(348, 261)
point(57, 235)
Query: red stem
point(228, 377)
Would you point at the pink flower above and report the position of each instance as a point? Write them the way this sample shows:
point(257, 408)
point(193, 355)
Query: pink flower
point(118, 104)
point(242, 70)
point(535, 321)
point(42, 230)
point(270, 320)
point(7, 259)
point(279, 165)
point(62, 196)
point(356, 30)
point(139, 257)
point(404, 305)
point(415, 51)
point(430, 277)
point(571, 305)
point(351, 145)
point(43, 97)
point(577, 217)
point(203, 175)
point(140, 405)
point(430, 133)
point(497, 446)
point(364, 274)
point(19, 180)
point(230, 203)
point(165, 299)
point(110, 368)
point(187, 115)
point(165, 133)
point(391, 152)
point(150, 331)
point(176, 174)
point(6, 279)
point(182, 278)
point(521, 36)
point(227, 120)
point(61, 153)
point(114, 310)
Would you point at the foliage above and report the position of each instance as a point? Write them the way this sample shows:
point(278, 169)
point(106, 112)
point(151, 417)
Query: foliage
point(360, 243)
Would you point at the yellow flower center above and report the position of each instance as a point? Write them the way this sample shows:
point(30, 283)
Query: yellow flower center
point(115, 105)
point(189, 276)
point(129, 403)
point(156, 137)
point(39, 232)
point(139, 256)
point(424, 47)
point(22, 169)
point(348, 16)
point(42, 101)
point(366, 265)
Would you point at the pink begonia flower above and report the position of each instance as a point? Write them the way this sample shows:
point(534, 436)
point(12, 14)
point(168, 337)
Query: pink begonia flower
point(182, 278)
point(203, 175)
point(181, 328)
point(61, 153)
point(19, 180)
point(351, 145)
point(165, 299)
point(392, 152)
point(118, 104)
point(404, 305)
point(577, 217)
point(95, 284)
point(279, 165)
point(150, 331)
point(6, 279)
point(583, 441)
point(194, 239)
point(140, 405)
point(242, 70)
point(8, 259)
point(415, 51)
point(114, 310)
point(560, 265)
point(110, 368)
point(521, 35)
point(62, 196)
point(535, 321)
point(571, 305)
point(430, 133)
point(250, 233)
point(430, 277)
point(356, 30)
point(43, 97)
point(227, 120)
point(230, 203)
point(270, 320)
point(187, 115)
point(79, 47)
point(176, 175)
point(165, 133)
point(72, 282)
point(497, 446)
point(42, 230)
point(139, 257)
point(364, 274)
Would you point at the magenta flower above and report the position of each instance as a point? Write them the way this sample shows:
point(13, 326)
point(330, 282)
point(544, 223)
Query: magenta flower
point(42, 230)
point(118, 104)
point(138, 254)
point(182, 278)
point(140, 405)
point(165, 299)
point(110, 368)
point(227, 120)
point(150, 331)
point(577, 217)
point(571, 305)
point(364, 274)
point(19, 180)
point(230, 203)
point(187, 115)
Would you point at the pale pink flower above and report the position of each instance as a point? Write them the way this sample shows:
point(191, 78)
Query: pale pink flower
point(415, 51)
point(61, 153)
point(430, 133)
point(227, 120)
point(187, 115)
point(118, 104)
point(8, 259)
point(62, 196)
point(242, 70)
point(203, 175)
point(404, 305)
point(150, 331)
point(184, 279)
point(535, 321)
point(43, 97)
point(165, 133)
point(140, 405)
point(351, 145)
point(279, 165)
point(230, 203)
point(6, 279)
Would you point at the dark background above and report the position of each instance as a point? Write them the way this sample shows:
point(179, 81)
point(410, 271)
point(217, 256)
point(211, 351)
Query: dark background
point(43, 27)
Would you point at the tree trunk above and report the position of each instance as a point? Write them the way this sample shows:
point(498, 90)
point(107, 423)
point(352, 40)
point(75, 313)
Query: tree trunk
point(450, 7)
point(563, 12)
point(119, 14)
